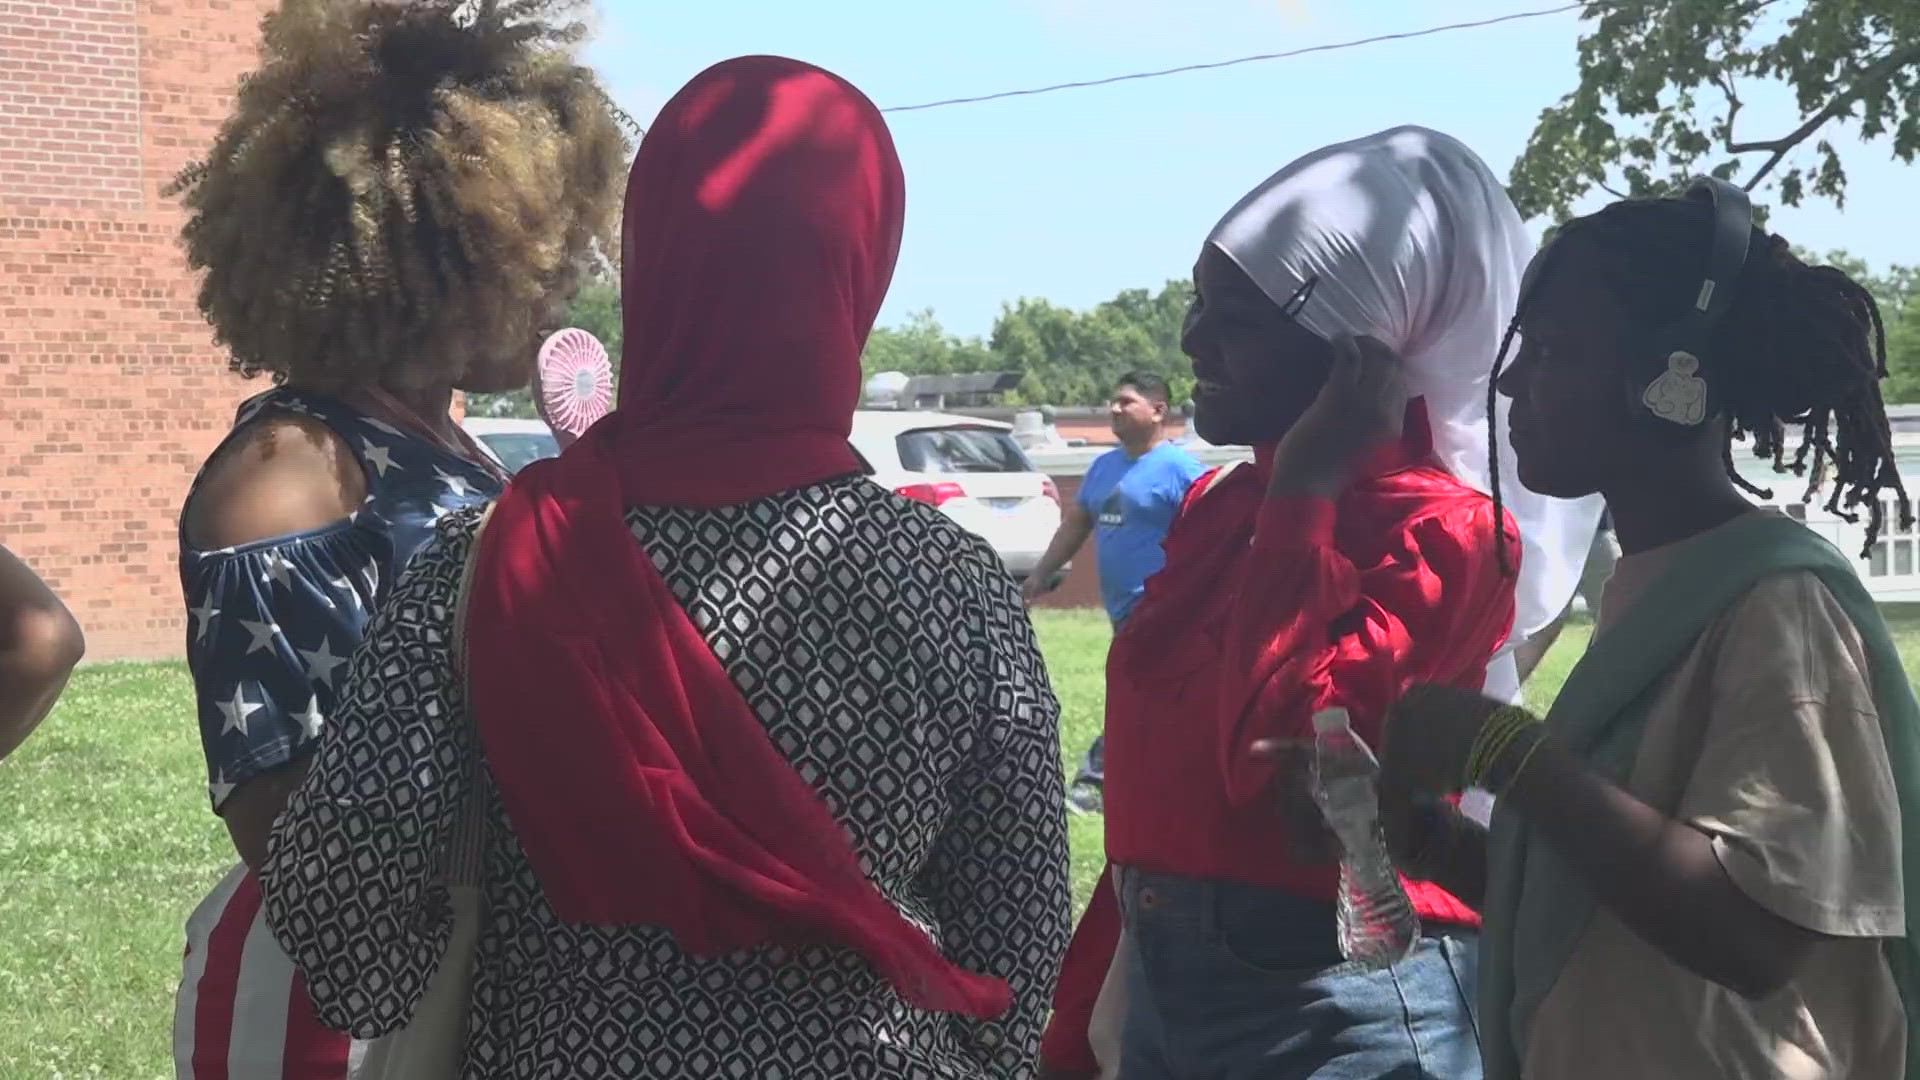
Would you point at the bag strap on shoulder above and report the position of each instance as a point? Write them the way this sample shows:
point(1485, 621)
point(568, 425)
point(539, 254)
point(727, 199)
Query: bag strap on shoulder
point(466, 845)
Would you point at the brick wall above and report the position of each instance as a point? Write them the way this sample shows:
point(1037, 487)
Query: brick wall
point(111, 391)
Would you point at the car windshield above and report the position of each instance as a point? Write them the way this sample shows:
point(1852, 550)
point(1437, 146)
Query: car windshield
point(521, 449)
point(961, 450)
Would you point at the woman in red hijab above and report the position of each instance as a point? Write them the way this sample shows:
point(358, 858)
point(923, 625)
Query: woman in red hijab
point(769, 760)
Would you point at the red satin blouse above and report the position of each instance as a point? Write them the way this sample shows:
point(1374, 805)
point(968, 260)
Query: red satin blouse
point(1269, 610)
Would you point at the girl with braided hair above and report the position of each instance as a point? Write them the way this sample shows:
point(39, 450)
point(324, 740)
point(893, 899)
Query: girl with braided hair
point(397, 208)
point(1702, 861)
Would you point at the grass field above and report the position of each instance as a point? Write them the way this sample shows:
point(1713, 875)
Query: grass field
point(106, 844)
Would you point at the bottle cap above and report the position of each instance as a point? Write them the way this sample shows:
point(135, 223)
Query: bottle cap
point(1327, 721)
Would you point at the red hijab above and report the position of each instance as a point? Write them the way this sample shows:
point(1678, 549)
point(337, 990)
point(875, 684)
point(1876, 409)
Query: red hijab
point(763, 219)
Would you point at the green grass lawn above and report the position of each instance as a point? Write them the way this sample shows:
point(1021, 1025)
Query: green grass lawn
point(106, 844)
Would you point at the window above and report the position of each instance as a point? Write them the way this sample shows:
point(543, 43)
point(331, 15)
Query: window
point(961, 450)
point(1894, 554)
point(518, 451)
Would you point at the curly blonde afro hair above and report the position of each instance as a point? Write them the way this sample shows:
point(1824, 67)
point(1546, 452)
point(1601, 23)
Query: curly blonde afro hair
point(401, 183)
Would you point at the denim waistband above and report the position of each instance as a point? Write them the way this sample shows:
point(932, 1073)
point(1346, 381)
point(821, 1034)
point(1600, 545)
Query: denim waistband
point(1175, 899)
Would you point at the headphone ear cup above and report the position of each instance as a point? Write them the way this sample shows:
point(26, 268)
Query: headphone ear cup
point(1671, 394)
point(1678, 395)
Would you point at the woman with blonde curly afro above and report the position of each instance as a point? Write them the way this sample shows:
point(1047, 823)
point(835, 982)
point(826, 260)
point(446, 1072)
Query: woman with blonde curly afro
point(398, 208)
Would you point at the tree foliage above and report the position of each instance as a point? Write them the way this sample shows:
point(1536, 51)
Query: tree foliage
point(1897, 292)
point(921, 346)
point(1074, 357)
point(1660, 97)
point(1067, 357)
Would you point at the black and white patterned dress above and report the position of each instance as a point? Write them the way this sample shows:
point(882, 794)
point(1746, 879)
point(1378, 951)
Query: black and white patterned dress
point(890, 657)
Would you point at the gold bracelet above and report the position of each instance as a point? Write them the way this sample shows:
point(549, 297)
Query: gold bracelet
point(1496, 735)
point(1506, 784)
point(1491, 748)
point(1488, 730)
point(1521, 726)
point(1491, 731)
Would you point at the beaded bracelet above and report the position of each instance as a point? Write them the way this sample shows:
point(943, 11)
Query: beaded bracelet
point(1499, 781)
point(1496, 735)
point(1492, 730)
point(1516, 728)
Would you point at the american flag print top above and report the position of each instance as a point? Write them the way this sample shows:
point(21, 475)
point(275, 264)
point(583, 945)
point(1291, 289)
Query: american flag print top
point(269, 628)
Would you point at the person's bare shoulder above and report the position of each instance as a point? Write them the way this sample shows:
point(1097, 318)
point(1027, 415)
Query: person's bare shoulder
point(282, 475)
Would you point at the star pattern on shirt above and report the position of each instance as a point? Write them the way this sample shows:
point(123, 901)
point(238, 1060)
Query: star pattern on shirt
point(380, 458)
point(343, 586)
point(203, 617)
point(238, 709)
point(312, 720)
point(455, 485)
point(279, 570)
point(272, 625)
point(321, 662)
point(260, 635)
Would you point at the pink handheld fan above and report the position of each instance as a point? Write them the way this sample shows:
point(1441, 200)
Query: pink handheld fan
point(575, 383)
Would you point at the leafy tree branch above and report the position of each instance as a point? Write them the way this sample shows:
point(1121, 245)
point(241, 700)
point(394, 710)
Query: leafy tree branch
point(1659, 96)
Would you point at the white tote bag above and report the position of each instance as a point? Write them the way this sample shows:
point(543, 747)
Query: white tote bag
point(433, 1046)
point(1105, 1026)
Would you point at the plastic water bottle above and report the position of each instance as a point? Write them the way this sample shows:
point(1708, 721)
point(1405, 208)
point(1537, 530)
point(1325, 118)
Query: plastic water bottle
point(1376, 921)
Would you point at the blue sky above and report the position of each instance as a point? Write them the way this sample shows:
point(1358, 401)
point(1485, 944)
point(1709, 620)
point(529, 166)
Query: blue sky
point(1076, 195)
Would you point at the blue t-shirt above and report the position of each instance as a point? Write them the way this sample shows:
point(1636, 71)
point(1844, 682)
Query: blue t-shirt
point(1133, 502)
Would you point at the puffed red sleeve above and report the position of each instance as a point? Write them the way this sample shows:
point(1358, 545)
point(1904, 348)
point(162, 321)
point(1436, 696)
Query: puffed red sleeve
point(1065, 1046)
point(1310, 630)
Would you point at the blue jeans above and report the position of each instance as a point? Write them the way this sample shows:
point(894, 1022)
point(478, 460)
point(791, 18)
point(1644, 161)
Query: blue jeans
point(1094, 769)
point(1233, 982)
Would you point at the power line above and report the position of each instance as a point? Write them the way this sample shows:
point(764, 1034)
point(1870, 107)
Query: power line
point(1215, 65)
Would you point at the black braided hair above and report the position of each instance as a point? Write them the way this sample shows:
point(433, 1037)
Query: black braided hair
point(1801, 346)
point(1493, 445)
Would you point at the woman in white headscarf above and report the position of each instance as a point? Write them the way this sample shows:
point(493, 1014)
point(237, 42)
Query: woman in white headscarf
point(1346, 316)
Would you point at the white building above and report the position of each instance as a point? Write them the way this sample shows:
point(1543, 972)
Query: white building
point(1892, 569)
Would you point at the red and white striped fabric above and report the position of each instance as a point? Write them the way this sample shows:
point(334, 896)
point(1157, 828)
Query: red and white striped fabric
point(243, 1012)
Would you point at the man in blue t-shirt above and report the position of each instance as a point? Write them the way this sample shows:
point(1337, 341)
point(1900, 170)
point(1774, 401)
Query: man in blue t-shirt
point(1129, 499)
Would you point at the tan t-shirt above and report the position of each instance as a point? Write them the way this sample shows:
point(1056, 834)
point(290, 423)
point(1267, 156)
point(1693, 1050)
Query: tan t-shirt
point(1766, 739)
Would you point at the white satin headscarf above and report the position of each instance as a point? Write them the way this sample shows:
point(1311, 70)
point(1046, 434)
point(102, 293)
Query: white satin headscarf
point(1415, 242)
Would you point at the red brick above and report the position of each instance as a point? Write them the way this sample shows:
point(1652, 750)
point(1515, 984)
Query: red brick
point(111, 390)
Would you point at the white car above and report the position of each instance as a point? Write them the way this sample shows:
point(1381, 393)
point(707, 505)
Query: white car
point(970, 470)
point(515, 444)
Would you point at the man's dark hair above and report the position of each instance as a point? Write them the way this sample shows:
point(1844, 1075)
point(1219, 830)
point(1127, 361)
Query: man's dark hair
point(1802, 346)
point(1151, 386)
